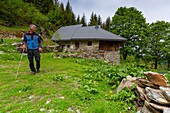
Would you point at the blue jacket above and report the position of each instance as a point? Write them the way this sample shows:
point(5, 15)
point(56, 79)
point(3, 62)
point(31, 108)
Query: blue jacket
point(33, 40)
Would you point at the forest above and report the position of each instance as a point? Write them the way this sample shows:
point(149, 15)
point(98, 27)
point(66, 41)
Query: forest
point(145, 41)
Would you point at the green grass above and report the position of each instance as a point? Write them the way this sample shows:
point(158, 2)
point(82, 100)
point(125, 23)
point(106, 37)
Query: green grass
point(30, 93)
point(13, 28)
point(7, 46)
point(63, 84)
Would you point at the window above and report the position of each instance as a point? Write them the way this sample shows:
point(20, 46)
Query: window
point(89, 43)
point(68, 46)
point(63, 46)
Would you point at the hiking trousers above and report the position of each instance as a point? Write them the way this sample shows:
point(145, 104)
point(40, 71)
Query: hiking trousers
point(31, 55)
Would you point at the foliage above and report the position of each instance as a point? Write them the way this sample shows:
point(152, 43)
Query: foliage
point(130, 24)
point(106, 25)
point(56, 16)
point(94, 20)
point(14, 28)
point(26, 87)
point(44, 6)
point(12, 11)
point(70, 17)
point(60, 16)
point(114, 74)
point(78, 19)
point(167, 75)
point(58, 77)
point(46, 14)
point(158, 42)
point(99, 20)
point(125, 96)
point(7, 46)
point(83, 20)
point(42, 13)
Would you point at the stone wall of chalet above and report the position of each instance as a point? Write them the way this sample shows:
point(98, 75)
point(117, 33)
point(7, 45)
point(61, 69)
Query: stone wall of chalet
point(112, 56)
point(91, 51)
point(84, 46)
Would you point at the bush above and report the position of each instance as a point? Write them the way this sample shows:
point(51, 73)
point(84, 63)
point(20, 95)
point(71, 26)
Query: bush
point(16, 12)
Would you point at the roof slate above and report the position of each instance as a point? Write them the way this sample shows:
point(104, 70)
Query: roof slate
point(77, 32)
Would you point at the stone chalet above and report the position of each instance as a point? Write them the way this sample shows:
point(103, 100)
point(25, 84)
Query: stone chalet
point(89, 40)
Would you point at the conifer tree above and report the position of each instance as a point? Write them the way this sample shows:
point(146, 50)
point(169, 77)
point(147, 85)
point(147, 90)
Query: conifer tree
point(43, 5)
point(55, 1)
point(62, 15)
point(83, 20)
point(94, 20)
point(69, 15)
point(99, 20)
point(91, 19)
point(106, 25)
point(78, 19)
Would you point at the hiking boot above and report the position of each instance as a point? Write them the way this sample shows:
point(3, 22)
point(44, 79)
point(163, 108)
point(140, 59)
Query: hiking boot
point(33, 72)
point(38, 70)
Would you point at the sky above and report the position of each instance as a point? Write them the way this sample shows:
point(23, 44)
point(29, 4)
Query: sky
point(152, 10)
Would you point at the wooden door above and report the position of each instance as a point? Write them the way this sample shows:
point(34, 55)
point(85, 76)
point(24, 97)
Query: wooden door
point(76, 45)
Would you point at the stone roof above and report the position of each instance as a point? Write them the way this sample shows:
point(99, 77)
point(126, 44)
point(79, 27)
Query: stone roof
point(77, 32)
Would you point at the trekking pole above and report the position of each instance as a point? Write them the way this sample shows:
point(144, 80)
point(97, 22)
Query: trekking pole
point(20, 62)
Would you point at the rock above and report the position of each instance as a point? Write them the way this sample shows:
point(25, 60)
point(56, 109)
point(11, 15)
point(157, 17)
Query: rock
point(48, 101)
point(145, 110)
point(141, 92)
point(124, 83)
point(153, 93)
point(166, 110)
point(145, 83)
point(70, 109)
point(165, 91)
point(17, 44)
point(78, 111)
point(150, 108)
point(130, 78)
point(55, 51)
point(158, 107)
point(156, 96)
point(42, 109)
point(31, 97)
point(1, 52)
point(156, 78)
point(61, 97)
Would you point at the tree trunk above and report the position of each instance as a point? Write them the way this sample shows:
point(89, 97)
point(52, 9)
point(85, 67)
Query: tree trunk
point(125, 55)
point(156, 63)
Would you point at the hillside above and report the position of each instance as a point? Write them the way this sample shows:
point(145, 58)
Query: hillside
point(58, 87)
point(63, 85)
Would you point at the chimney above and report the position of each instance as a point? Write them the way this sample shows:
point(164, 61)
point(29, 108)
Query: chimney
point(97, 26)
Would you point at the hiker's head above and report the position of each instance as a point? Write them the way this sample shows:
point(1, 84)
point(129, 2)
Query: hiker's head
point(32, 27)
